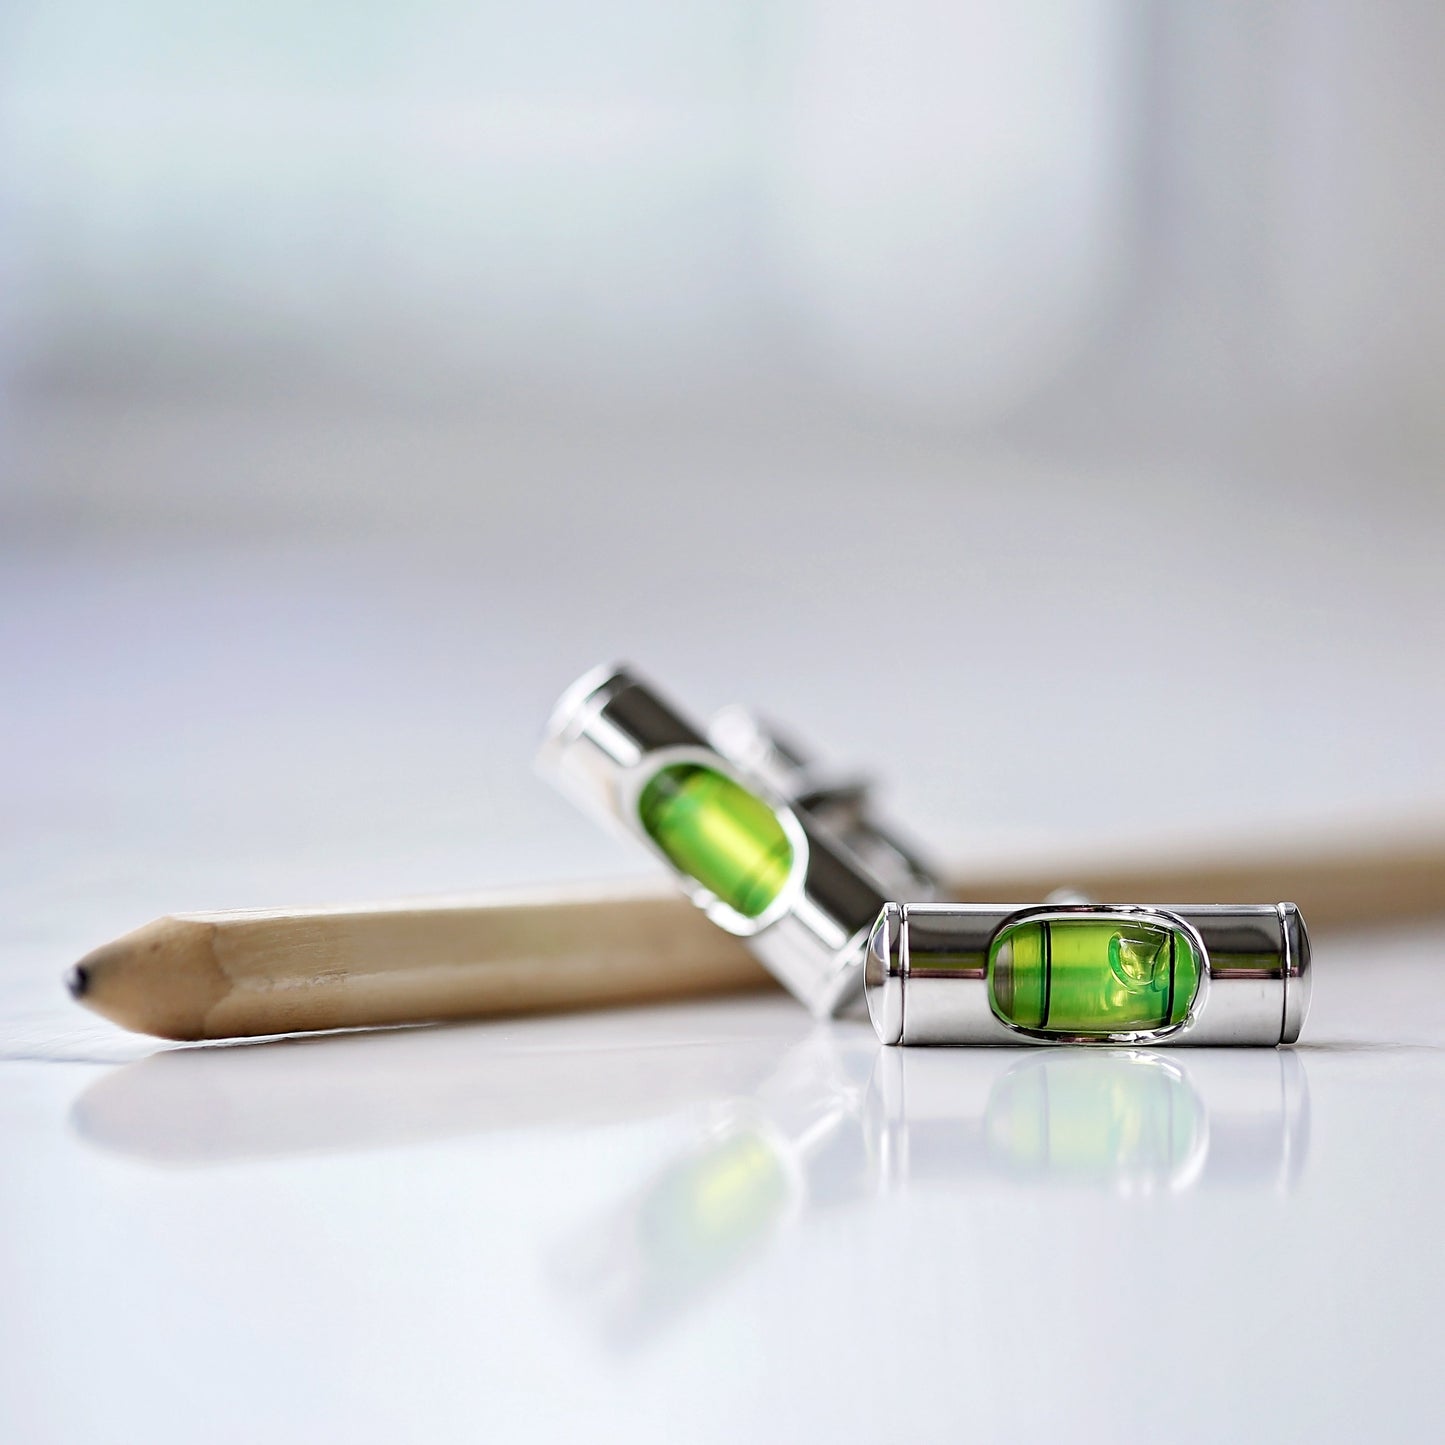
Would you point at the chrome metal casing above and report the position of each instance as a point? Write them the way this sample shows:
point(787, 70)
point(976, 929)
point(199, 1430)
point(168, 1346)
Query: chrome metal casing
point(926, 973)
point(612, 732)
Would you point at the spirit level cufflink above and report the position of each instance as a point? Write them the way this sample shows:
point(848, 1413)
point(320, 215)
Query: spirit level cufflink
point(975, 973)
point(793, 864)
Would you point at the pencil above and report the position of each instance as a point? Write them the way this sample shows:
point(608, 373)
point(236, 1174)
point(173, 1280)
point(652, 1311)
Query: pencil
point(274, 971)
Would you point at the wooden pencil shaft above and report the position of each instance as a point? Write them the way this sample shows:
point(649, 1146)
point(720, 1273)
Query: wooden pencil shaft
point(243, 974)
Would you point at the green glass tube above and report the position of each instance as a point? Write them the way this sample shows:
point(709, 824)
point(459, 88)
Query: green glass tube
point(1092, 976)
point(714, 830)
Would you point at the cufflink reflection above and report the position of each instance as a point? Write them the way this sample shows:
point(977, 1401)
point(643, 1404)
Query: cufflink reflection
point(796, 1145)
point(838, 1125)
point(1128, 1122)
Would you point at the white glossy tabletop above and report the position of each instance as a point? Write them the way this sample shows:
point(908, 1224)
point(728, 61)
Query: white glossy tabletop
point(720, 1221)
point(717, 1222)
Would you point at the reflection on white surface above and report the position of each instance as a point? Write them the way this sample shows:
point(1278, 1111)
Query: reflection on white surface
point(830, 1116)
point(842, 1121)
point(355, 1092)
point(1131, 1122)
point(755, 1166)
point(776, 1133)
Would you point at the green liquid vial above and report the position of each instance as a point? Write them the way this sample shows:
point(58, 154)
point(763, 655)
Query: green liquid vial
point(1092, 976)
point(715, 831)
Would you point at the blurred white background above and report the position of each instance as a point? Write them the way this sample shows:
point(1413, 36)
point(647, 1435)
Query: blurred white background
point(1113, 229)
point(1040, 403)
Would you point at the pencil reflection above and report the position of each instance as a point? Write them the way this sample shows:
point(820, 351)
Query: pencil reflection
point(344, 1093)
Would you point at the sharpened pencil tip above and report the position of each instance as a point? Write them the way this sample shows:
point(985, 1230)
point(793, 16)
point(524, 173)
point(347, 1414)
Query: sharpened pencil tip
point(78, 980)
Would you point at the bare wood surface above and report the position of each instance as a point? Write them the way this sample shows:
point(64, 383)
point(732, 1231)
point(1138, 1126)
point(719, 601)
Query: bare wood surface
point(249, 973)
